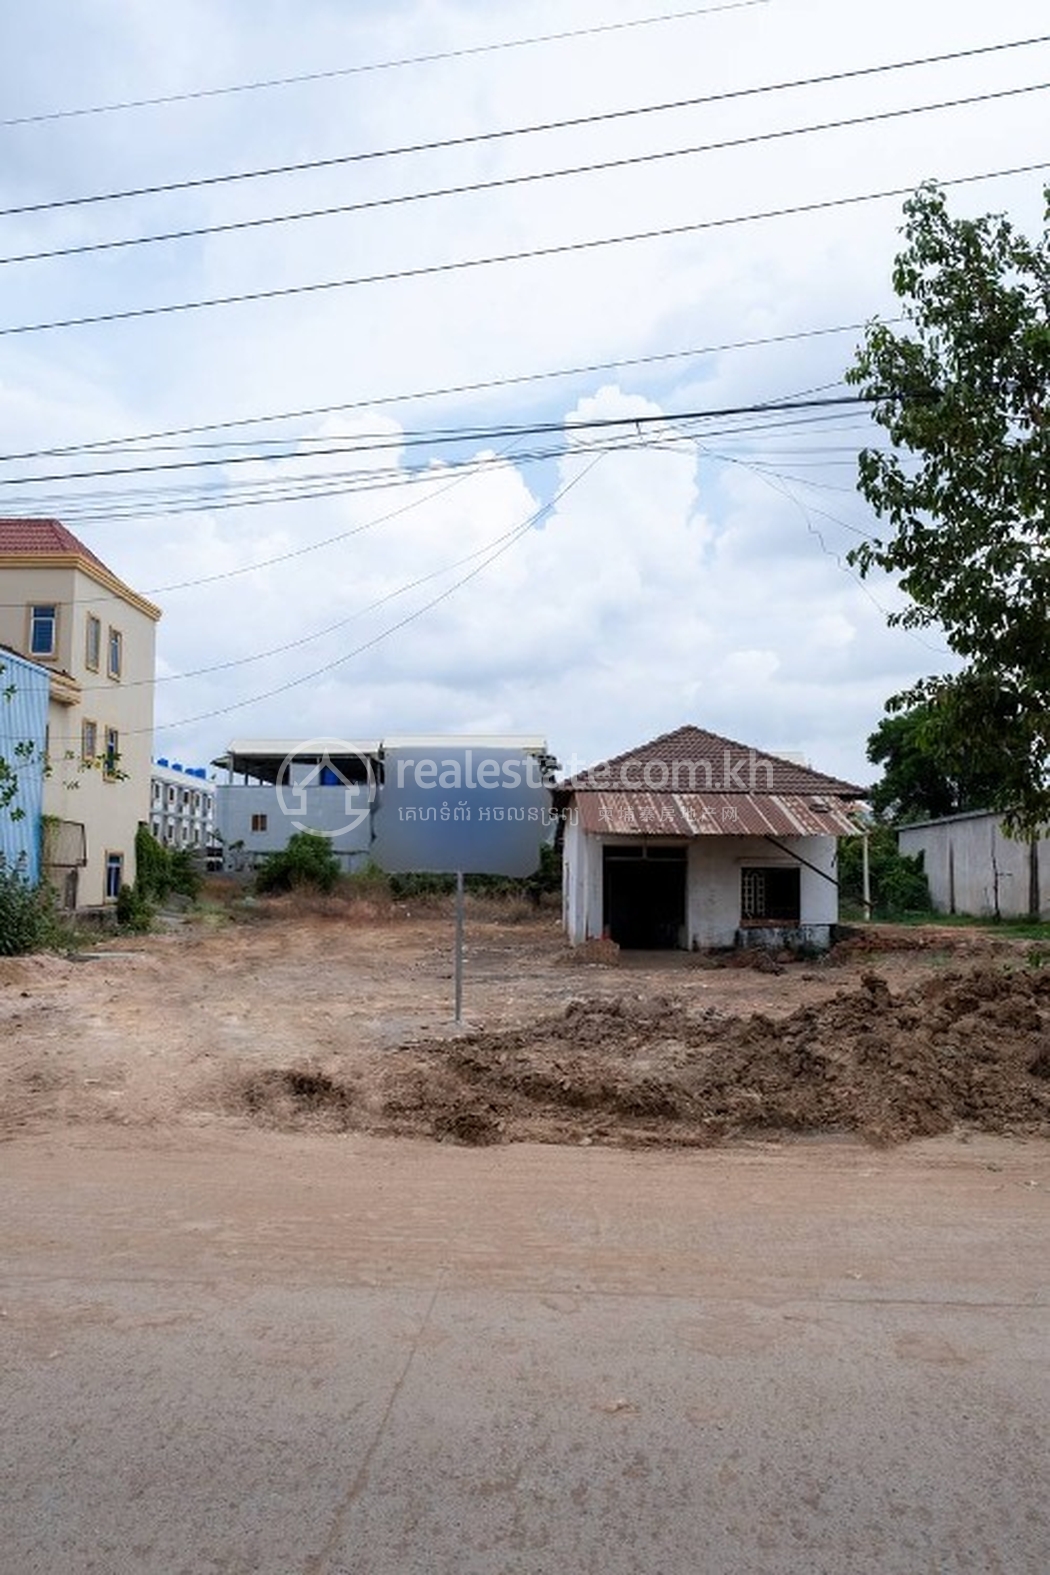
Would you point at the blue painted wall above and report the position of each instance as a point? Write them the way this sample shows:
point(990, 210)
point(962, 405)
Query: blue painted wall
point(24, 691)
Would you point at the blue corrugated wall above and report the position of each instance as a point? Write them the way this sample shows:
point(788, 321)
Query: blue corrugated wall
point(24, 690)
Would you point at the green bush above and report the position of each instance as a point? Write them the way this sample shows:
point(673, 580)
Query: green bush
point(161, 872)
point(898, 884)
point(134, 910)
point(26, 917)
point(307, 861)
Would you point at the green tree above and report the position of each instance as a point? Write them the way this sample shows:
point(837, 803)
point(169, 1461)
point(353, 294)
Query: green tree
point(307, 861)
point(922, 778)
point(963, 392)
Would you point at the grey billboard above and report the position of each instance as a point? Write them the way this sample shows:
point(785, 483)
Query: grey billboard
point(462, 810)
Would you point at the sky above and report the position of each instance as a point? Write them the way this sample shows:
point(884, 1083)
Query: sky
point(487, 495)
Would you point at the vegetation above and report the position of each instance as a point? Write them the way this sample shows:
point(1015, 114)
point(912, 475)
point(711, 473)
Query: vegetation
point(920, 780)
point(307, 861)
point(963, 392)
point(898, 885)
point(162, 872)
point(27, 920)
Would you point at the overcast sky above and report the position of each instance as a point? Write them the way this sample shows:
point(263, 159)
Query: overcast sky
point(444, 572)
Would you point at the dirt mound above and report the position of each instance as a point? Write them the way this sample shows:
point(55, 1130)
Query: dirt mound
point(962, 1049)
point(294, 1096)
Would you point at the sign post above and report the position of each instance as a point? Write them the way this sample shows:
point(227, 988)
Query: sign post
point(451, 809)
point(459, 946)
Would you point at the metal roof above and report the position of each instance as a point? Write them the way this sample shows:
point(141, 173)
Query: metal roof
point(641, 814)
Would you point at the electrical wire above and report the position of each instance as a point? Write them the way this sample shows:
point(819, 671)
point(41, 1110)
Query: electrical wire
point(438, 438)
point(513, 538)
point(432, 270)
point(537, 128)
point(472, 188)
point(133, 441)
point(335, 73)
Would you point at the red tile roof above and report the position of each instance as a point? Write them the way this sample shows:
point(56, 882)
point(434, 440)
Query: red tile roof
point(691, 760)
point(28, 537)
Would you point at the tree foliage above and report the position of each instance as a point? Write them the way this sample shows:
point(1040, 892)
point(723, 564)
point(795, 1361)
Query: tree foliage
point(923, 776)
point(963, 393)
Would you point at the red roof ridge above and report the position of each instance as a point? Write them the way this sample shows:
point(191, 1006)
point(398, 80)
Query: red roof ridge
point(36, 534)
point(697, 747)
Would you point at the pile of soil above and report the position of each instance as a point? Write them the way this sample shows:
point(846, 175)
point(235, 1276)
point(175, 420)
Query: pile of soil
point(959, 1050)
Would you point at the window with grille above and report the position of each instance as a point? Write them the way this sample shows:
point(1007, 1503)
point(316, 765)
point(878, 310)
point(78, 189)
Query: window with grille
point(770, 896)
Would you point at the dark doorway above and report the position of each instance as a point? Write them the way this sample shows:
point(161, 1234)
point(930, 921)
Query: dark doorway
point(643, 889)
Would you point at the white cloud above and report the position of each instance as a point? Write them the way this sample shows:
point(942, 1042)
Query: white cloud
point(655, 586)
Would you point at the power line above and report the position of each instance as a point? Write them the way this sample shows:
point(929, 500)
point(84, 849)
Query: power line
point(131, 441)
point(431, 270)
point(379, 65)
point(318, 672)
point(474, 187)
point(515, 131)
point(438, 438)
point(316, 634)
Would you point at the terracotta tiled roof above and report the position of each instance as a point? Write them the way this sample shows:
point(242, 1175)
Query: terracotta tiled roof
point(43, 536)
point(691, 760)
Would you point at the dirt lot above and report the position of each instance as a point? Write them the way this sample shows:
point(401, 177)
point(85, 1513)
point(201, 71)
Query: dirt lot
point(339, 1018)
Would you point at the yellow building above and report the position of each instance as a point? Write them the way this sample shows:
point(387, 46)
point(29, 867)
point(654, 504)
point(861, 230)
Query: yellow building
point(63, 608)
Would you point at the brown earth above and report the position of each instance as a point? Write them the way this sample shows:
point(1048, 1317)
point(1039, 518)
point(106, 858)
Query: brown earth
point(333, 1016)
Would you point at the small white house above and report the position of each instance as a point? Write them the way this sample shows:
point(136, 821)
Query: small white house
point(974, 867)
point(695, 841)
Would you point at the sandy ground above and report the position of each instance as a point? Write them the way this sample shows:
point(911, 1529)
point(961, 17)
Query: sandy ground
point(234, 1352)
point(235, 1341)
point(342, 1018)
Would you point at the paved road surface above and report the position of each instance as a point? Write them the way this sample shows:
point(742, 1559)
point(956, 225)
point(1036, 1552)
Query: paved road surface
point(229, 1352)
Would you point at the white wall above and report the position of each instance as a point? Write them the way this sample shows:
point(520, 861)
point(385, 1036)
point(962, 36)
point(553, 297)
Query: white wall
point(328, 810)
point(969, 861)
point(713, 884)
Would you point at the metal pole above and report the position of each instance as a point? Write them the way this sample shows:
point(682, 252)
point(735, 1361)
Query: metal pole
point(866, 872)
point(459, 945)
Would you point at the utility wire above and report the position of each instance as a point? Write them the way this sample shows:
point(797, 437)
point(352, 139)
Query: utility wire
point(431, 270)
point(335, 73)
point(312, 412)
point(319, 634)
point(439, 438)
point(472, 188)
point(515, 131)
point(318, 672)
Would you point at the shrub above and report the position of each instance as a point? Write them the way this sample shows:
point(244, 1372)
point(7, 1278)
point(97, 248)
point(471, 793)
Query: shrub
point(161, 871)
point(26, 919)
point(898, 884)
point(134, 910)
point(307, 861)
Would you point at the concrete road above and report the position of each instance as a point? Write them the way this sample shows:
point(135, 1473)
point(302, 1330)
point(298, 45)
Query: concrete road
point(235, 1352)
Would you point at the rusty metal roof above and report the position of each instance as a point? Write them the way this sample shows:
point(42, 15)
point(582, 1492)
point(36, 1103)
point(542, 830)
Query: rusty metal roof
point(641, 814)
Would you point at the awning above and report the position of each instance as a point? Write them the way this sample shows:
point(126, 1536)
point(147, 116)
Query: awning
point(639, 814)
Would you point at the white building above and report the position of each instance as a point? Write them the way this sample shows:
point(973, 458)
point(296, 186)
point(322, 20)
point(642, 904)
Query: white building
point(695, 841)
point(974, 867)
point(182, 806)
point(65, 610)
point(277, 787)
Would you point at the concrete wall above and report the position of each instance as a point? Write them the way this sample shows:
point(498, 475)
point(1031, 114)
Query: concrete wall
point(340, 813)
point(973, 867)
point(109, 809)
point(713, 895)
point(24, 689)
